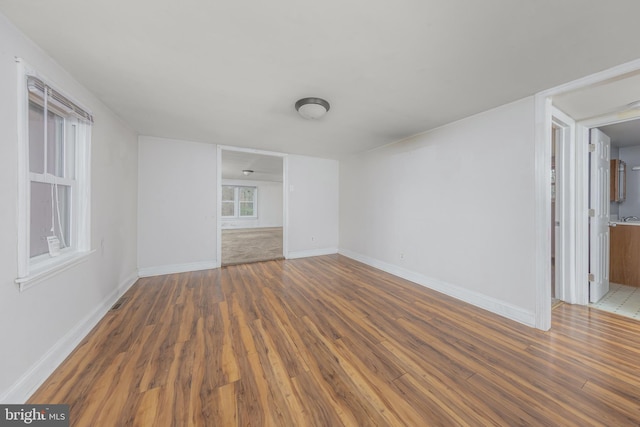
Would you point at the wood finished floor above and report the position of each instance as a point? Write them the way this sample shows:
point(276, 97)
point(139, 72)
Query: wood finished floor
point(327, 341)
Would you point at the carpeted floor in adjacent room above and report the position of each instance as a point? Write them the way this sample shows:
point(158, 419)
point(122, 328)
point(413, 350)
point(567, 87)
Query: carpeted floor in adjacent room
point(244, 245)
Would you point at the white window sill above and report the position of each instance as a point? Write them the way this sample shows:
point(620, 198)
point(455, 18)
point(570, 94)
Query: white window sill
point(50, 269)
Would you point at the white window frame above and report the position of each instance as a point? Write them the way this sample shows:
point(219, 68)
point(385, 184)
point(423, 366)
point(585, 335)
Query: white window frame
point(34, 270)
point(236, 202)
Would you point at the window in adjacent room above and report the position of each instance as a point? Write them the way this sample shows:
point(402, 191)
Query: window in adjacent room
point(239, 201)
point(54, 188)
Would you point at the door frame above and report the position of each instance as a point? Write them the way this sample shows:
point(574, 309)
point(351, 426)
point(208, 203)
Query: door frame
point(577, 198)
point(565, 210)
point(285, 196)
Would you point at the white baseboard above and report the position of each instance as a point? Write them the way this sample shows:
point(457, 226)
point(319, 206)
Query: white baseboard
point(245, 227)
point(28, 383)
point(474, 298)
point(312, 252)
point(177, 268)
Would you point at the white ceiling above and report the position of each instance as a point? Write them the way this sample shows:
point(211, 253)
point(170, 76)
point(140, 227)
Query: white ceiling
point(265, 168)
point(623, 134)
point(230, 72)
point(607, 97)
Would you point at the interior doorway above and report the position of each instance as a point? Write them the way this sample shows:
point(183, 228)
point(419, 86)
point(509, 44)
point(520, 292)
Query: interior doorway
point(562, 214)
point(609, 97)
point(589, 194)
point(252, 206)
point(622, 197)
point(555, 222)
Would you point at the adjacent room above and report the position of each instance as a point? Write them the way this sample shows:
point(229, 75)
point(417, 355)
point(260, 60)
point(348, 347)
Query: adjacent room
point(252, 207)
point(320, 213)
point(623, 296)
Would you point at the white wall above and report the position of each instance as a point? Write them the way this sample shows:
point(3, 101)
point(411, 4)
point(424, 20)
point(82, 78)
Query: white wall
point(313, 206)
point(452, 209)
point(269, 205)
point(41, 325)
point(176, 206)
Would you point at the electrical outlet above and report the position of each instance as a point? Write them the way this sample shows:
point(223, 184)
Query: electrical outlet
point(313, 238)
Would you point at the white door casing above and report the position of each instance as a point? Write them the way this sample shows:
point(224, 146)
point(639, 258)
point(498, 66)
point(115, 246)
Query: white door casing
point(565, 256)
point(599, 215)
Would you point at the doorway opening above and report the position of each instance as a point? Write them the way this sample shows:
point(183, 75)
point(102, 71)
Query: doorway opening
point(562, 227)
point(598, 100)
point(251, 214)
point(621, 291)
point(554, 221)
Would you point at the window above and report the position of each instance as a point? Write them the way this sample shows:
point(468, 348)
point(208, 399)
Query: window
point(54, 187)
point(239, 202)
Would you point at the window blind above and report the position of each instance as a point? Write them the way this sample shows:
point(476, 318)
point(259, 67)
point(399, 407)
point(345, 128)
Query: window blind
point(38, 86)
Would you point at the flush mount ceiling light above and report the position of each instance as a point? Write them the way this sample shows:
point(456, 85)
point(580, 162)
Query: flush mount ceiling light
point(312, 108)
point(247, 172)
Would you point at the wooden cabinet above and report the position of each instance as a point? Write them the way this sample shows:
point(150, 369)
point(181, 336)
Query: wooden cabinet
point(618, 192)
point(624, 261)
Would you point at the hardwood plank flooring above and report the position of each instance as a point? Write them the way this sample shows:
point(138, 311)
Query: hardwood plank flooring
point(327, 341)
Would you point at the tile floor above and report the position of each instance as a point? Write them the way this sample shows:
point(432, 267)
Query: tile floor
point(621, 299)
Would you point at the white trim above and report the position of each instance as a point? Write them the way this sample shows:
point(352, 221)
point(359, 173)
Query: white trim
point(161, 270)
point(62, 263)
point(285, 206)
point(565, 201)
point(542, 138)
point(33, 378)
point(312, 252)
point(23, 172)
point(218, 204)
point(83, 170)
point(246, 227)
point(251, 150)
point(474, 298)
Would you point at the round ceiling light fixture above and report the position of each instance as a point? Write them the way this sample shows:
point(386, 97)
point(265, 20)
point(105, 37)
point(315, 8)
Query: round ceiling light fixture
point(312, 108)
point(247, 172)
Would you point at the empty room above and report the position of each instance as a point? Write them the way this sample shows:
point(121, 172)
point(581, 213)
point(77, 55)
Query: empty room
point(319, 213)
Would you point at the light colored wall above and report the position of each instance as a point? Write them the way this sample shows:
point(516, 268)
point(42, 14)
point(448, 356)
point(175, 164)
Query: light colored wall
point(41, 325)
point(313, 206)
point(631, 206)
point(176, 206)
point(269, 205)
point(452, 209)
